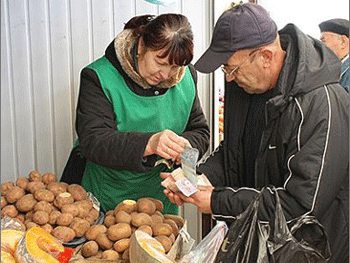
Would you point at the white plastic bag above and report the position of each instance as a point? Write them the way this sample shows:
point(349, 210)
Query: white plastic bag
point(206, 250)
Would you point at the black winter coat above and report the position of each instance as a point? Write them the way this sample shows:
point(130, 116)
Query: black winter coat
point(304, 148)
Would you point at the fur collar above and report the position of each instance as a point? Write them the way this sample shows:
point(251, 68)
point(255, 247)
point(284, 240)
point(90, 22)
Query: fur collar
point(123, 45)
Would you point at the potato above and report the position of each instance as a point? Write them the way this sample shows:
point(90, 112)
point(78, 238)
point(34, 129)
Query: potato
point(177, 219)
point(174, 227)
point(109, 221)
point(78, 192)
point(44, 195)
point(71, 209)
point(63, 199)
point(35, 185)
point(41, 217)
point(146, 229)
point(103, 241)
point(6, 186)
point(9, 210)
point(94, 214)
point(157, 219)
point(26, 203)
point(49, 178)
point(30, 224)
point(89, 249)
point(64, 219)
point(110, 255)
point(133, 214)
point(20, 217)
point(159, 205)
point(126, 255)
point(63, 233)
point(47, 227)
point(94, 231)
point(161, 229)
point(172, 238)
point(165, 241)
point(133, 229)
point(110, 213)
point(159, 214)
point(80, 226)
point(122, 245)
point(122, 217)
point(53, 217)
point(57, 188)
point(14, 194)
point(43, 206)
point(64, 184)
point(3, 201)
point(97, 256)
point(145, 205)
point(119, 231)
point(128, 206)
point(84, 207)
point(141, 219)
point(30, 214)
point(89, 219)
point(34, 176)
point(22, 182)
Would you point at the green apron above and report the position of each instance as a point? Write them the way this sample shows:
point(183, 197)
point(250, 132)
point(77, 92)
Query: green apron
point(137, 114)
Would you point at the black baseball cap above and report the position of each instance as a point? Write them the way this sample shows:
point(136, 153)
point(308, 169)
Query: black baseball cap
point(337, 25)
point(243, 26)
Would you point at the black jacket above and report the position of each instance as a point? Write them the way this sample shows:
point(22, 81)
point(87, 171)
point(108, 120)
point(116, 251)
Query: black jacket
point(304, 147)
point(96, 126)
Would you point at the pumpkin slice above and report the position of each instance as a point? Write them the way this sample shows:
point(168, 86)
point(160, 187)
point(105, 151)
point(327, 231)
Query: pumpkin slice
point(41, 245)
point(7, 257)
point(10, 239)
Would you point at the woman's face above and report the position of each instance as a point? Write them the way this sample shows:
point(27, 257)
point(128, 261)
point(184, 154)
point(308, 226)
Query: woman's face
point(153, 68)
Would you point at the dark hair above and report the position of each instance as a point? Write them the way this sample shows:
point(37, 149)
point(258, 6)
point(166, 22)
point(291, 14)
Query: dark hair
point(170, 31)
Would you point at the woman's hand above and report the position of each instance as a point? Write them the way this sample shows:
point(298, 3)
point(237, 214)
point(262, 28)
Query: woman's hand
point(166, 144)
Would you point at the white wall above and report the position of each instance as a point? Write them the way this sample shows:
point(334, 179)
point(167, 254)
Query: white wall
point(306, 14)
point(45, 44)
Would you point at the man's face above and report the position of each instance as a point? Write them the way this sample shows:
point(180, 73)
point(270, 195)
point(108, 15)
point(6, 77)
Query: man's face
point(246, 69)
point(333, 41)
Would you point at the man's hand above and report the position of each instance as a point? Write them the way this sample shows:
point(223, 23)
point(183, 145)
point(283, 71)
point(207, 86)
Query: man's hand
point(201, 199)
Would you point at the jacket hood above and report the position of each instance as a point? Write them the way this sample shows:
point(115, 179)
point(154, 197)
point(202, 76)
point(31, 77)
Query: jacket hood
point(315, 66)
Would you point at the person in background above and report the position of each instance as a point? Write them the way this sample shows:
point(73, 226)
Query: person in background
point(138, 104)
point(286, 125)
point(335, 34)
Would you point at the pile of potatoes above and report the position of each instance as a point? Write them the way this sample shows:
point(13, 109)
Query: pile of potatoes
point(111, 240)
point(63, 210)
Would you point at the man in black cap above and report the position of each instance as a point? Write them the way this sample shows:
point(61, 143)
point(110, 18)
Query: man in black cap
point(335, 34)
point(286, 124)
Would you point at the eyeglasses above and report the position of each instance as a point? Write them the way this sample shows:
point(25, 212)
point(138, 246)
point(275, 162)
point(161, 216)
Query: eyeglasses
point(229, 72)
